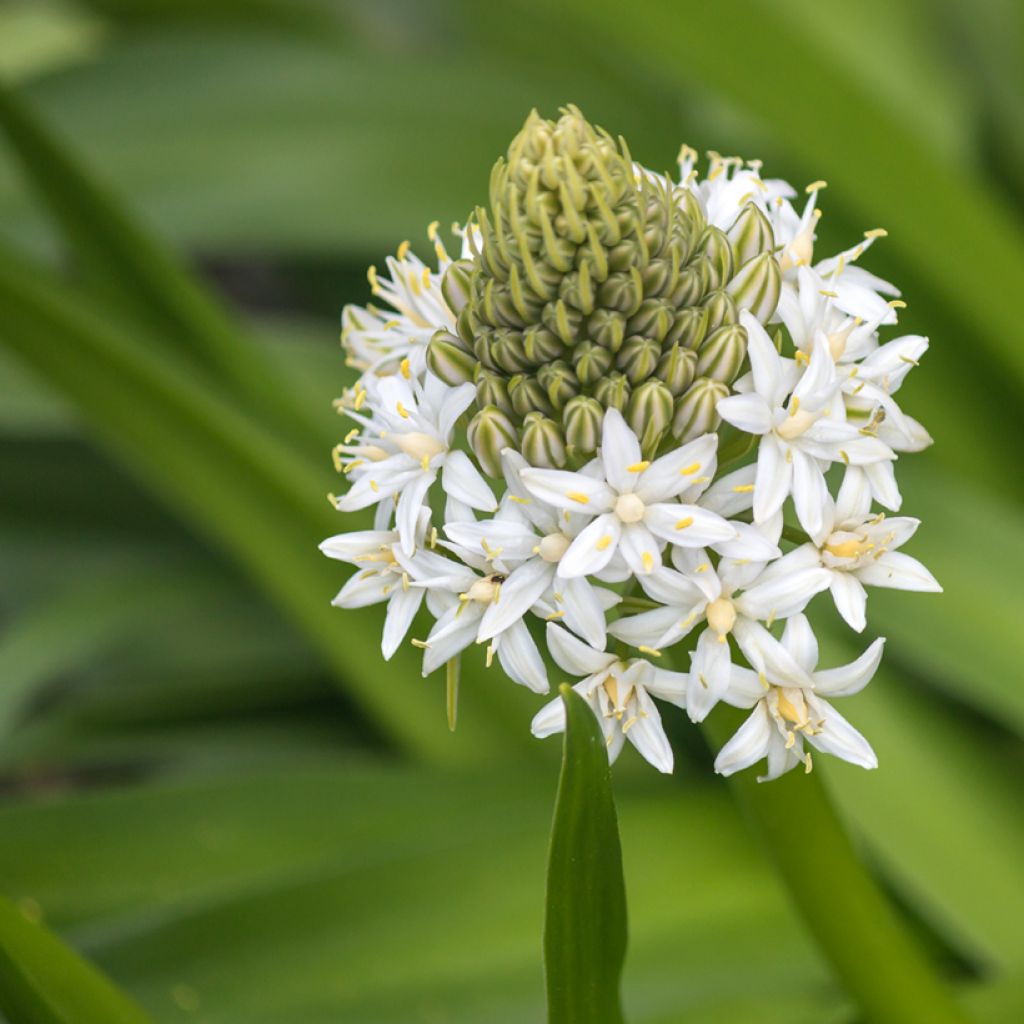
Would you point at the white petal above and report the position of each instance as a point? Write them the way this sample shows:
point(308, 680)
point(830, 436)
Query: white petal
point(576, 492)
point(767, 655)
point(453, 405)
point(852, 678)
point(462, 480)
point(850, 599)
point(750, 544)
point(402, 608)
point(620, 449)
point(365, 588)
point(688, 525)
point(882, 477)
point(549, 720)
point(783, 594)
point(593, 548)
point(518, 593)
point(774, 478)
point(810, 496)
point(520, 658)
point(749, 413)
point(347, 547)
point(679, 470)
point(798, 638)
point(647, 628)
point(765, 363)
point(513, 539)
point(839, 738)
point(584, 613)
point(745, 688)
point(710, 667)
point(732, 493)
point(748, 745)
point(671, 587)
point(897, 570)
point(407, 512)
point(450, 636)
point(573, 655)
point(639, 548)
point(854, 498)
point(645, 732)
point(666, 685)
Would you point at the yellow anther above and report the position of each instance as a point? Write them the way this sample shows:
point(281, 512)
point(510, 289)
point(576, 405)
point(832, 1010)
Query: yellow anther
point(402, 411)
point(703, 567)
point(332, 501)
point(374, 487)
point(743, 488)
point(689, 470)
point(638, 467)
point(815, 186)
point(371, 276)
point(897, 304)
point(794, 405)
point(876, 233)
point(405, 368)
point(518, 500)
point(403, 250)
point(683, 523)
point(801, 358)
point(652, 651)
point(578, 496)
point(422, 644)
point(426, 278)
point(603, 542)
point(828, 294)
point(352, 465)
point(648, 559)
point(432, 230)
point(555, 615)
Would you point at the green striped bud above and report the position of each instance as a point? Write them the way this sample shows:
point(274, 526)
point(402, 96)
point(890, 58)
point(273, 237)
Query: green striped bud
point(714, 244)
point(527, 395)
point(750, 235)
point(677, 368)
point(448, 359)
point(722, 354)
point(653, 319)
point(649, 415)
point(490, 430)
point(720, 308)
point(607, 328)
point(638, 359)
point(612, 391)
point(757, 286)
point(541, 345)
point(582, 419)
point(455, 285)
point(542, 444)
point(690, 327)
point(492, 389)
point(696, 412)
point(559, 382)
point(590, 362)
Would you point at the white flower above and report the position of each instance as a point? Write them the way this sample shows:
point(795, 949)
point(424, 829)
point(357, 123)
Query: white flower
point(536, 535)
point(381, 577)
point(788, 711)
point(632, 500)
point(471, 610)
point(861, 549)
point(734, 600)
point(797, 435)
point(620, 694)
point(403, 447)
point(378, 340)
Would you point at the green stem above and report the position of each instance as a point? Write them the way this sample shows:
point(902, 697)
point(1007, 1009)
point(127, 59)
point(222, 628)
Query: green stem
point(855, 926)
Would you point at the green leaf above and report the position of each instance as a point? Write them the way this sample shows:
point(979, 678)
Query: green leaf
point(44, 982)
point(585, 925)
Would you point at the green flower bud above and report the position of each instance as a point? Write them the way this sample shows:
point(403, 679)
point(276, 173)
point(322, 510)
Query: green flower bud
point(559, 383)
point(690, 286)
point(750, 234)
point(506, 350)
point(448, 359)
point(490, 430)
point(607, 328)
point(582, 419)
point(455, 285)
point(757, 286)
point(527, 395)
point(720, 308)
point(696, 412)
point(638, 358)
point(612, 391)
point(714, 244)
point(492, 389)
point(722, 354)
point(689, 327)
point(590, 362)
point(649, 414)
point(677, 368)
point(543, 444)
point(653, 319)
point(541, 346)
point(623, 291)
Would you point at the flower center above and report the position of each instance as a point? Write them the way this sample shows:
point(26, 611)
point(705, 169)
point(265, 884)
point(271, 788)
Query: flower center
point(796, 422)
point(792, 707)
point(630, 508)
point(721, 616)
point(618, 699)
point(553, 546)
point(486, 590)
point(845, 546)
point(417, 445)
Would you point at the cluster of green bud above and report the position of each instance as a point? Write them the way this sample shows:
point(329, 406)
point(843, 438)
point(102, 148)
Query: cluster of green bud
point(595, 285)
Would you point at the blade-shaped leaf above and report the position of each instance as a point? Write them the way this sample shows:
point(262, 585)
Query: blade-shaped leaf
point(44, 982)
point(585, 926)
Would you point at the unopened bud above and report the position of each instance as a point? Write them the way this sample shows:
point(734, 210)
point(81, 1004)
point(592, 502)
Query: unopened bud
point(757, 286)
point(492, 389)
point(689, 327)
point(612, 391)
point(714, 244)
point(543, 444)
point(607, 328)
point(455, 285)
point(559, 382)
point(638, 359)
point(750, 235)
point(696, 413)
point(527, 395)
point(653, 319)
point(590, 362)
point(722, 354)
point(719, 309)
point(490, 430)
point(677, 368)
point(582, 419)
point(540, 345)
point(649, 414)
point(448, 359)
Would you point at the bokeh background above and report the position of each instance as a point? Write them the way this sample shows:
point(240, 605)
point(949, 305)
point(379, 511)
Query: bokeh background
point(212, 785)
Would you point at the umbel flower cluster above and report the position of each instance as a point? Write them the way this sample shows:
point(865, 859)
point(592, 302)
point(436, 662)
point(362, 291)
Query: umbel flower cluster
point(636, 422)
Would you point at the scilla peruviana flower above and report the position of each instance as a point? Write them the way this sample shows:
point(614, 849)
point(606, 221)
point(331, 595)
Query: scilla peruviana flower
point(620, 693)
point(565, 381)
point(787, 712)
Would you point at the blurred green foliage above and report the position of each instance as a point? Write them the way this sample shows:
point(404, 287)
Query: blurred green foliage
point(214, 787)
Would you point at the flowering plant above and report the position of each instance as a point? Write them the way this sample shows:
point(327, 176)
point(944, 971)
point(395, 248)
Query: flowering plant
point(593, 422)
